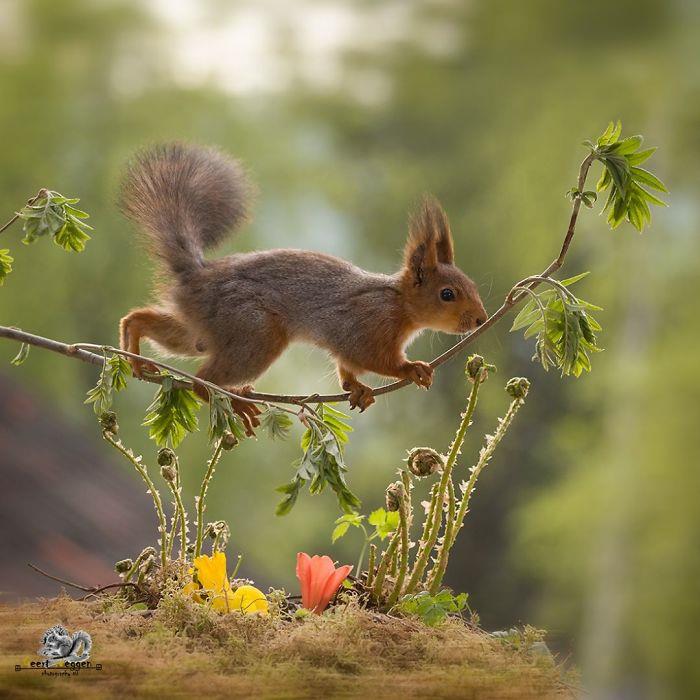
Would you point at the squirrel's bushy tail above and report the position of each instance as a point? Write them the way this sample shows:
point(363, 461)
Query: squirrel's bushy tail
point(185, 199)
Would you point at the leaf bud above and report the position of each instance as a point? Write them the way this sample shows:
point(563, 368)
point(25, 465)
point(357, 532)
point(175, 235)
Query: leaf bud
point(166, 457)
point(123, 565)
point(517, 387)
point(424, 461)
point(147, 565)
point(229, 441)
point(169, 473)
point(108, 421)
point(393, 495)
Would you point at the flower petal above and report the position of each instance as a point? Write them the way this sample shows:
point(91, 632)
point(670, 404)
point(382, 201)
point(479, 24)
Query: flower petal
point(304, 576)
point(322, 569)
point(332, 585)
point(248, 599)
point(211, 572)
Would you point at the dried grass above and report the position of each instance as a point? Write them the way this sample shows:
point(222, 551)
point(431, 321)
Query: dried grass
point(185, 651)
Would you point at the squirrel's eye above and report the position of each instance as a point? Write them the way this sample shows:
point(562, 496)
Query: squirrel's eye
point(447, 295)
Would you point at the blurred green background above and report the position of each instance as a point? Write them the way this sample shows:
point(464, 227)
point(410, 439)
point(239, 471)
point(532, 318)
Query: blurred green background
point(587, 522)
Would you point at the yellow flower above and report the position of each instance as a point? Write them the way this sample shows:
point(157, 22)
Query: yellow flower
point(211, 583)
point(211, 572)
point(249, 599)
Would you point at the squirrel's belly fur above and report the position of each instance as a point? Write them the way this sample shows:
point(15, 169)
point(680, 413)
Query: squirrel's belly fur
point(241, 311)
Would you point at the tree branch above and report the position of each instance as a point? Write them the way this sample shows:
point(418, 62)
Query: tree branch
point(83, 351)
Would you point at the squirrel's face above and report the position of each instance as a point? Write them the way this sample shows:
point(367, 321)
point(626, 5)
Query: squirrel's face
point(439, 295)
point(447, 300)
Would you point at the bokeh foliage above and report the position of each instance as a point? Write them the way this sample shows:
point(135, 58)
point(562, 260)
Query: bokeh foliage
point(481, 103)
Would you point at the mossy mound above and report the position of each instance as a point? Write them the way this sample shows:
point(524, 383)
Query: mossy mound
point(181, 650)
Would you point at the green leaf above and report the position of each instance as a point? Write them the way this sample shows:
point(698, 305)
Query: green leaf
point(291, 492)
point(604, 180)
point(432, 610)
point(339, 531)
point(119, 371)
point(6, 261)
point(628, 145)
point(627, 200)
point(72, 236)
point(648, 178)
point(100, 396)
point(172, 414)
point(322, 462)
point(222, 418)
point(277, 423)
point(611, 134)
point(640, 156)
point(572, 280)
point(21, 356)
point(617, 173)
point(564, 329)
point(589, 198)
point(651, 198)
point(54, 215)
point(385, 522)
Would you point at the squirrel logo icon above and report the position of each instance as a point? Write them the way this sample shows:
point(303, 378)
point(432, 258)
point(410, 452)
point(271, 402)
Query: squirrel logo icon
point(59, 646)
point(238, 313)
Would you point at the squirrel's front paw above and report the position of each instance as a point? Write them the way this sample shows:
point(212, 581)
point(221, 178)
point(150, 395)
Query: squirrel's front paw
point(138, 367)
point(247, 411)
point(360, 395)
point(420, 373)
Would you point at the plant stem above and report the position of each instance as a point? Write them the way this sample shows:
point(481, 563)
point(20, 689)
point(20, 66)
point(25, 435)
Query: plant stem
point(238, 566)
point(362, 555)
point(182, 517)
point(428, 519)
point(438, 570)
point(370, 565)
point(484, 457)
point(395, 558)
point(422, 560)
point(384, 565)
point(403, 554)
point(174, 527)
point(137, 562)
point(211, 466)
point(155, 495)
point(41, 193)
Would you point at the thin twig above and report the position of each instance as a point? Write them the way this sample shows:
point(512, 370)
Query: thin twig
point(60, 580)
point(81, 352)
point(90, 590)
point(41, 193)
point(118, 584)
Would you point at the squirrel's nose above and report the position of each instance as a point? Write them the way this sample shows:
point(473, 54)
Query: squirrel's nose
point(480, 320)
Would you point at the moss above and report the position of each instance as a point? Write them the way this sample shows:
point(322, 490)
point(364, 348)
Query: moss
point(184, 650)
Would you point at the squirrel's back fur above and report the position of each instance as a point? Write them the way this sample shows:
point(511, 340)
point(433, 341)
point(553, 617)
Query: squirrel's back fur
point(185, 199)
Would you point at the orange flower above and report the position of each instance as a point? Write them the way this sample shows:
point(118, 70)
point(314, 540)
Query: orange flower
point(319, 580)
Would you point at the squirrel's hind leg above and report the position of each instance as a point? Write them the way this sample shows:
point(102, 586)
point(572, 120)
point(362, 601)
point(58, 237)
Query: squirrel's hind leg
point(160, 326)
point(360, 394)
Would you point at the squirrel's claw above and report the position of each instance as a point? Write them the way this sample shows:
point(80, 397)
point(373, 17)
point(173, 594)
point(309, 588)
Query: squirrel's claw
point(138, 367)
point(360, 395)
point(248, 412)
point(420, 373)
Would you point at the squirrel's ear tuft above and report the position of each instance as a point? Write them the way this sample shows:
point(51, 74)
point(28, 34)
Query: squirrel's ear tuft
point(443, 241)
point(429, 240)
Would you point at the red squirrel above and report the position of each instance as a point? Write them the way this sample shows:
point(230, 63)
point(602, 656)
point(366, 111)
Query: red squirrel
point(241, 311)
